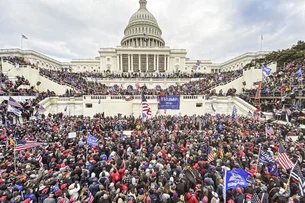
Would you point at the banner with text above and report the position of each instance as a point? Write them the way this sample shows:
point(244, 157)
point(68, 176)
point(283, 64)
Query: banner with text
point(169, 102)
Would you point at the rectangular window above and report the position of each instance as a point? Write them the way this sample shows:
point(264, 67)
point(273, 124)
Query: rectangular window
point(198, 104)
point(88, 105)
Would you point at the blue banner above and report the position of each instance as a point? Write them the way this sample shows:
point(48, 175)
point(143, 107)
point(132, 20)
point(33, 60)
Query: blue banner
point(236, 178)
point(169, 102)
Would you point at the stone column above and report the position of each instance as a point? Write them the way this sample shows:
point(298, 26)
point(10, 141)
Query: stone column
point(117, 62)
point(167, 60)
point(121, 57)
point(154, 62)
point(128, 62)
point(139, 62)
point(146, 62)
point(141, 41)
point(157, 63)
point(131, 68)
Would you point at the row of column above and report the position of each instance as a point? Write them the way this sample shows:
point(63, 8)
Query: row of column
point(131, 63)
point(141, 42)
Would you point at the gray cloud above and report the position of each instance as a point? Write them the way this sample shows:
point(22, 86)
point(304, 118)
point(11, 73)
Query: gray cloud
point(216, 30)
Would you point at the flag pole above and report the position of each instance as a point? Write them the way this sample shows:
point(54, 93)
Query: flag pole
point(15, 168)
point(259, 152)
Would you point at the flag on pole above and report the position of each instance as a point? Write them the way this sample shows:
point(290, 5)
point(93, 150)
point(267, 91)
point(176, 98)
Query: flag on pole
point(266, 70)
point(211, 157)
point(299, 72)
point(24, 37)
point(269, 130)
point(39, 159)
point(265, 157)
point(283, 159)
point(296, 173)
point(14, 103)
point(24, 144)
point(91, 140)
point(236, 178)
point(145, 106)
point(13, 110)
point(41, 109)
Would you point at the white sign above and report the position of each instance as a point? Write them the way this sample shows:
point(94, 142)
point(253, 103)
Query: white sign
point(72, 135)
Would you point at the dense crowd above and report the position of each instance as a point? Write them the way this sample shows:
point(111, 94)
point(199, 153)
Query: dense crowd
point(108, 74)
point(279, 92)
point(8, 87)
point(161, 159)
point(83, 86)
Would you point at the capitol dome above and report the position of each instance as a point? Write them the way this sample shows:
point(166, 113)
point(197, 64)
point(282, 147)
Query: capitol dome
point(142, 30)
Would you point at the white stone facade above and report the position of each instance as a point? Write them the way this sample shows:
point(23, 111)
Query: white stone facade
point(142, 50)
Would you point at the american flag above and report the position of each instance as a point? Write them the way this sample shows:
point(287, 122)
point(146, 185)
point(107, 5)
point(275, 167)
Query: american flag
point(39, 159)
point(14, 103)
point(269, 130)
point(296, 173)
point(41, 109)
point(211, 157)
point(24, 144)
point(283, 159)
point(145, 107)
point(255, 198)
point(24, 37)
point(258, 91)
point(91, 198)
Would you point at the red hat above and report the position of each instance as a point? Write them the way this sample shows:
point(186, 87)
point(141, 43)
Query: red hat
point(238, 190)
point(3, 198)
point(44, 191)
point(58, 192)
point(80, 162)
point(28, 200)
point(63, 186)
point(153, 174)
point(124, 187)
point(62, 200)
point(53, 159)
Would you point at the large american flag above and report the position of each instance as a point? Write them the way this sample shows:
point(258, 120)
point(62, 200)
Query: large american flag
point(24, 144)
point(14, 103)
point(145, 107)
point(283, 159)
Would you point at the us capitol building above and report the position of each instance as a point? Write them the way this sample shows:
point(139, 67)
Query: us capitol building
point(142, 50)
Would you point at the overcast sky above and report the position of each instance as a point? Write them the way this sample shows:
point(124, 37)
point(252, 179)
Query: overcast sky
point(217, 30)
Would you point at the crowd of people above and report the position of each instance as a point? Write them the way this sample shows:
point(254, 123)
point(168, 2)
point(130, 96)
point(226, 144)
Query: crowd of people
point(280, 92)
point(82, 86)
point(159, 159)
